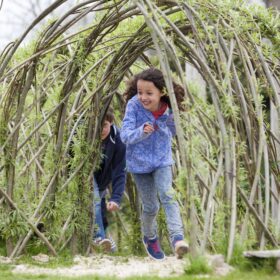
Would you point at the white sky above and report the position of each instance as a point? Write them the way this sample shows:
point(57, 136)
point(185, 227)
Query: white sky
point(17, 15)
point(260, 2)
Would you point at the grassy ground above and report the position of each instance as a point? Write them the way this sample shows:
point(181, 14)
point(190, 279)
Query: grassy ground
point(244, 270)
point(6, 274)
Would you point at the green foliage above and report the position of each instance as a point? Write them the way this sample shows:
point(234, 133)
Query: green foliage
point(219, 234)
point(181, 182)
point(163, 232)
point(237, 256)
point(23, 53)
point(256, 264)
point(198, 265)
point(12, 225)
point(135, 240)
point(230, 110)
point(2, 247)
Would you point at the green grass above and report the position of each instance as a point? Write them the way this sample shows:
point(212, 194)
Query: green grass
point(198, 265)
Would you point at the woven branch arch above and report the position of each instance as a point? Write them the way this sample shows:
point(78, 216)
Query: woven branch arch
point(55, 92)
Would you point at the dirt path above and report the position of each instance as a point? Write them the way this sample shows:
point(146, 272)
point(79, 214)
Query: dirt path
point(111, 266)
point(116, 266)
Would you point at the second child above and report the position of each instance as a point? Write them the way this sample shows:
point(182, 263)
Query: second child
point(111, 170)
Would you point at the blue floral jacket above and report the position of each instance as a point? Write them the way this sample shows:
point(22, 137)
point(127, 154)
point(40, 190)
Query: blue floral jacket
point(146, 152)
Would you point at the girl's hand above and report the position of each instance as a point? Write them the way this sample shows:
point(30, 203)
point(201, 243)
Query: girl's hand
point(112, 206)
point(148, 128)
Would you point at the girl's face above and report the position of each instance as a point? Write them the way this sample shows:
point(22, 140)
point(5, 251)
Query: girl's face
point(149, 95)
point(105, 129)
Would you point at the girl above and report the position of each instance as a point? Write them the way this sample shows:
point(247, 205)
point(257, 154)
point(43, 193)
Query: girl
point(147, 131)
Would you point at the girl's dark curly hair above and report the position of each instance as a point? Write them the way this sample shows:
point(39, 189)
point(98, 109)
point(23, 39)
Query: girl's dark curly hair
point(155, 76)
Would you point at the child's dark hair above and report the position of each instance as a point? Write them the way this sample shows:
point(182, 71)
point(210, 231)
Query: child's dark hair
point(156, 77)
point(109, 115)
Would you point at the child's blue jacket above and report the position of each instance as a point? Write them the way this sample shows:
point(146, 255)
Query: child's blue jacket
point(146, 152)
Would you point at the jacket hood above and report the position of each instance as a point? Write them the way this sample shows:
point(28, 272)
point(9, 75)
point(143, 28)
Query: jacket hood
point(112, 135)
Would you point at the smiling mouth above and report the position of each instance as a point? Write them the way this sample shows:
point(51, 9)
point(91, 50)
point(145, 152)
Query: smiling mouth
point(145, 103)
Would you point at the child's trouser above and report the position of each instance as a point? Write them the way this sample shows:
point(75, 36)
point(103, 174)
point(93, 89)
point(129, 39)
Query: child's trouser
point(151, 186)
point(99, 231)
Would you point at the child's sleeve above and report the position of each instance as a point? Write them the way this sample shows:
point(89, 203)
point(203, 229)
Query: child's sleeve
point(130, 134)
point(170, 123)
point(167, 120)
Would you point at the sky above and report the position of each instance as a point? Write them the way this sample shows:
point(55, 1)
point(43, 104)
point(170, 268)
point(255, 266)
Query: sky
point(17, 15)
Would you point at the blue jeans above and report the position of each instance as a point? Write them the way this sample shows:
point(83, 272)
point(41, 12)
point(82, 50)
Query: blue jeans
point(151, 186)
point(99, 231)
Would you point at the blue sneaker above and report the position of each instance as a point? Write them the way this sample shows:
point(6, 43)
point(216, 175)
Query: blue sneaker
point(153, 248)
point(180, 247)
